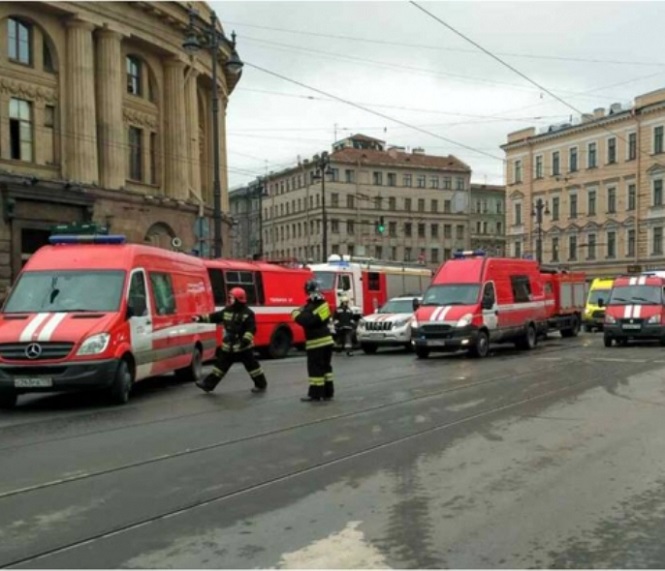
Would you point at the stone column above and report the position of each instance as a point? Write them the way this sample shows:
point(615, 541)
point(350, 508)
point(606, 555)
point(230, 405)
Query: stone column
point(110, 83)
point(192, 115)
point(80, 126)
point(176, 153)
point(223, 160)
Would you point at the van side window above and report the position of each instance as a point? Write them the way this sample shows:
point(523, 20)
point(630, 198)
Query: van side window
point(218, 288)
point(488, 293)
point(137, 297)
point(344, 282)
point(521, 288)
point(374, 283)
point(245, 280)
point(548, 288)
point(162, 291)
point(260, 293)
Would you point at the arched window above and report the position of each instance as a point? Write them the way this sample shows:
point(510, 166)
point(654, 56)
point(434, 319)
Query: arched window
point(19, 35)
point(134, 76)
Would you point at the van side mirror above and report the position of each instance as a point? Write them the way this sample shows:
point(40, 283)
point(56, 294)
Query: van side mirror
point(601, 302)
point(415, 304)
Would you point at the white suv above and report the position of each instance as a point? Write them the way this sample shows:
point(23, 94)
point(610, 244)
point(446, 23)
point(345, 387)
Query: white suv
point(389, 326)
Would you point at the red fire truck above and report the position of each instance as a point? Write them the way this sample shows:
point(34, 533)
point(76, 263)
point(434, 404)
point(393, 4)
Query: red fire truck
point(273, 292)
point(565, 300)
point(368, 284)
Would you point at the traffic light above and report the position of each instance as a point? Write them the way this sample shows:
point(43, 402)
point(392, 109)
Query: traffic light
point(380, 226)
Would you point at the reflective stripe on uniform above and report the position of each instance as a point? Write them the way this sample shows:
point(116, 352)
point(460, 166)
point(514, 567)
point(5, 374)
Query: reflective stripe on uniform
point(248, 335)
point(317, 381)
point(256, 372)
point(226, 347)
point(318, 343)
point(329, 377)
point(323, 311)
point(217, 372)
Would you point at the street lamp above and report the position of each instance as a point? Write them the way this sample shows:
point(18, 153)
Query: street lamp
point(540, 207)
point(206, 35)
point(322, 164)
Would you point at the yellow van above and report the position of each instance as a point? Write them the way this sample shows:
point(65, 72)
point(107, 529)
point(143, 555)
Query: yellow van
point(594, 316)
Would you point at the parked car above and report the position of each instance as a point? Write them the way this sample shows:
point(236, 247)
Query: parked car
point(389, 326)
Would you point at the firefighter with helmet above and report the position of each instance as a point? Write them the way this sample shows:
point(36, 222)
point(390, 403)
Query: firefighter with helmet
point(314, 317)
point(239, 325)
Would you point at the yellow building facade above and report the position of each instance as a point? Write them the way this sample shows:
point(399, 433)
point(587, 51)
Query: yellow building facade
point(599, 181)
point(105, 119)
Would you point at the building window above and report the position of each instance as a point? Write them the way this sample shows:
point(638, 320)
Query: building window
point(556, 163)
point(539, 166)
point(556, 202)
point(434, 256)
point(447, 207)
point(421, 205)
point(592, 203)
point(658, 241)
point(447, 231)
point(334, 200)
point(572, 247)
point(20, 42)
point(392, 203)
point(420, 181)
point(591, 156)
point(518, 214)
point(630, 250)
point(447, 183)
point(632, 198)
point(334, 177)
point(434, 230)
point(518, 249)
point(135, 153)
point(573, 206)
point(460, 232)
point(153, 158)
point(612, 150)
point(459, 183)
point(611, 200)
point(658, 192)
point(133, 76)
point(434, 182)
point(392, 179)
point(407, 254)
point(555, 249)
point(334, 226)
point(499, 228)
point(632, 146)
point(350, 227)
point(378, 252)
point(392, 229)
point(572, 159)
point(378, 178)
point(591, 247)
point(406, 180)
point(348, 176)
point(658, 140)
point(611, 244)
point(517, 171)
point(20, 130)
point(421, 230)
point(435, 205)
point(407, 229)
point(47, 57)
point(350, 201)
point(407, 204)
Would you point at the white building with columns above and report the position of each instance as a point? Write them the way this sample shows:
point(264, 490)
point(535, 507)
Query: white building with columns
point(105, 118)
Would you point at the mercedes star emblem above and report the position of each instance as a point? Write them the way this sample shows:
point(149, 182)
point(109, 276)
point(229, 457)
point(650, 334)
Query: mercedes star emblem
point(33, 351)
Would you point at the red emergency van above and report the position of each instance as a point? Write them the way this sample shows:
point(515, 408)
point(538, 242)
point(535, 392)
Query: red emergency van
point(369, 284)
point(92, 312)
point(565, 299)
point(273, 292)
point(635, 310)
point(474, 301)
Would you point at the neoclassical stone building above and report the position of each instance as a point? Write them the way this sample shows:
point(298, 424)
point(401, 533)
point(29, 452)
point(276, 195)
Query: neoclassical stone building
point(105, 118)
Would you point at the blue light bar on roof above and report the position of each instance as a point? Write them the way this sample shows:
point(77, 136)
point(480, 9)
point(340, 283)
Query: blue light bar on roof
point(87, 239)
point(459, 254)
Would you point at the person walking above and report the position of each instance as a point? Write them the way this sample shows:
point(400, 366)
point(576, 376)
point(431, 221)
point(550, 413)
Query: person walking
point(239, 325)
point(314, 317)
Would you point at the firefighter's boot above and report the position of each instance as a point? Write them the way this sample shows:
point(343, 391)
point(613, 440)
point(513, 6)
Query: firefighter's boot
point(209, 383)
point(314, 394)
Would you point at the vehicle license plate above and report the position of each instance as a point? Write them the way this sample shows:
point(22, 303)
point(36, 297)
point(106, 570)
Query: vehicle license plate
point(29, 382)
point(436, 342)
point(631, 326)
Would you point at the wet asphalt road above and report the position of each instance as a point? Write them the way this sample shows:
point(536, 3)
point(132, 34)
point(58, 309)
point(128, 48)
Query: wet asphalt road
point(555, 458)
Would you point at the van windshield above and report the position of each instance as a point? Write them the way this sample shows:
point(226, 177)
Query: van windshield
point(62, 290)
point(596, 294)
point(636, 294)
point(398, 306)
point(451, 294)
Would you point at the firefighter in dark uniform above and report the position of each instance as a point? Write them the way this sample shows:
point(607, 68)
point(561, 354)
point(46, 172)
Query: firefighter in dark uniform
point(314, 317)
point(238, 344)
point(346, 322)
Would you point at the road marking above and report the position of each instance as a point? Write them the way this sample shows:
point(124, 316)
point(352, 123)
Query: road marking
point(550, 358)
point(609, 360)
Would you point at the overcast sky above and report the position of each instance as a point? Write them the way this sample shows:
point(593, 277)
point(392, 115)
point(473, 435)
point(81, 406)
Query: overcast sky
point(394, 59)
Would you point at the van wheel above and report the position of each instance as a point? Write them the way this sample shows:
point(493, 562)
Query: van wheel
point(573, 330)
point(482, 347)
point(607, 340)
point(529, 340)
point(280, 343)
point(122, 383)
point(422, 352)
point(194, 371)
point(8, 400)
point(368, 348)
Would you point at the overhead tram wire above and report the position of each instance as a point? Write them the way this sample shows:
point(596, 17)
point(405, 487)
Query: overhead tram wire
point(373, 112)
point(515, 70)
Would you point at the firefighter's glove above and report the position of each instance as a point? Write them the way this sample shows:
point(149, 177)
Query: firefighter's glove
point(244, 343)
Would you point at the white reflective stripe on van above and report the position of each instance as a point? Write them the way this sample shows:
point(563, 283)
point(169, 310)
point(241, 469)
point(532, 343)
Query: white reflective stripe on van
point(32, 326)
point(50, 327)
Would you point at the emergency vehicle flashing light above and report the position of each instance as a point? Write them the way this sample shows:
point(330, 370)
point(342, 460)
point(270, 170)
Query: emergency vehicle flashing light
point(468, 253)
point(90, 239)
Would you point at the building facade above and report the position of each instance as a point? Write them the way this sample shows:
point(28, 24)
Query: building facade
point(104, 119)
point(600, 181)
point(421, 199)
point(245, 208)
point(488, 218)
